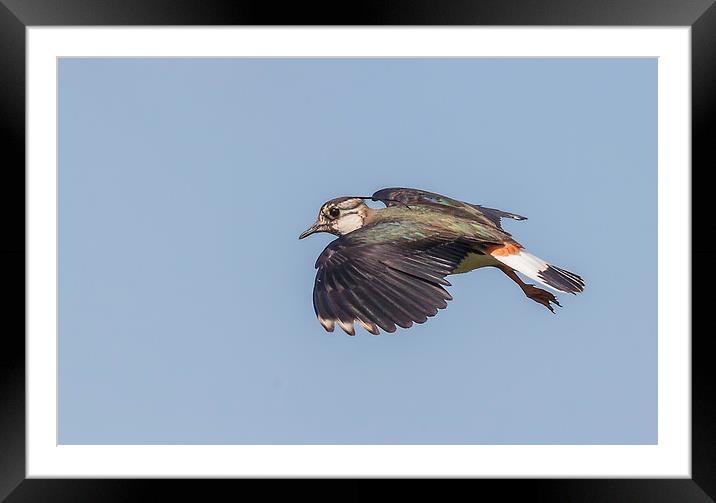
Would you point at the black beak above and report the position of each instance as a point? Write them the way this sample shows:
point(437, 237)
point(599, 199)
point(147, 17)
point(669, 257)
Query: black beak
point(312, 230)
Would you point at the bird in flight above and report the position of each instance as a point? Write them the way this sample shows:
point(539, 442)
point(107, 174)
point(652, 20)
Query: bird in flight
point(388, 266)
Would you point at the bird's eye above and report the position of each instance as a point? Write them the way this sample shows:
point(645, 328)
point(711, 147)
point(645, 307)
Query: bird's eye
point(334, 212)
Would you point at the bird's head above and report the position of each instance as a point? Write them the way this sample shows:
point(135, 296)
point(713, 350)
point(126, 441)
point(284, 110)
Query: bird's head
point(340, 216)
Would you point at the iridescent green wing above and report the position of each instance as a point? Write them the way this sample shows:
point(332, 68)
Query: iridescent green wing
point(444, 216)
point(404, 196)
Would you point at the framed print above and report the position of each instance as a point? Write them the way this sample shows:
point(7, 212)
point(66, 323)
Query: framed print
point(173, 325)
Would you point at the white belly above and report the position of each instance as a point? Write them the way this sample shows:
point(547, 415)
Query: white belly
point(475, 261)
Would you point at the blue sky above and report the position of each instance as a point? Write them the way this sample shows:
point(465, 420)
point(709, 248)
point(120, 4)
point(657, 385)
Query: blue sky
point(185, 310)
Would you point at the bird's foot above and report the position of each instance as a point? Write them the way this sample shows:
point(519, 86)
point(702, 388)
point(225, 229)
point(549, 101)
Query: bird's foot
point(541, 296)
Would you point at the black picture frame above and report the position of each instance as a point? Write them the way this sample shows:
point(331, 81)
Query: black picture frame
point(16, 15)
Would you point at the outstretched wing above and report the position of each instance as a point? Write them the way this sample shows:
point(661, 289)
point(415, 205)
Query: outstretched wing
point(489, 216)
point(381, 285)
point(496, 216)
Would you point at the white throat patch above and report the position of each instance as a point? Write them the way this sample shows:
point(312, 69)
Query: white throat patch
point(348, 223)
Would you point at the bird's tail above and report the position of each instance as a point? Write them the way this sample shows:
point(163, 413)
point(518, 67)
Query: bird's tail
point(539, 270)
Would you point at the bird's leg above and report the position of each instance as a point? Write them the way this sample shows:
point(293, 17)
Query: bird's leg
point(537, 294)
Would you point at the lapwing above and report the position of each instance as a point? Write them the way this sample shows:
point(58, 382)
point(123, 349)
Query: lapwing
point(388, 266)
